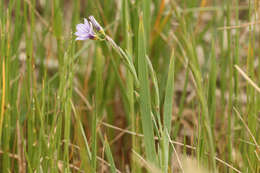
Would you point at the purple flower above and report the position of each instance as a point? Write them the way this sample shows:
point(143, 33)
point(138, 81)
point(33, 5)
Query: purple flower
point(85, 31)
point(95, 23)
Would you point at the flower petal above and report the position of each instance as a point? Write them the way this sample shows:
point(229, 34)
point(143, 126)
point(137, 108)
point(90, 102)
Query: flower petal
point(79, 33)
point(95, 23)
point(91, 31)
point(82, 38)
point(85, 31)
point(86, 22)
point(83, 28)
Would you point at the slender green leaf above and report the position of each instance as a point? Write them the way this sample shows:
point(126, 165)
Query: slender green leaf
point(145, 100)
point(167, 111)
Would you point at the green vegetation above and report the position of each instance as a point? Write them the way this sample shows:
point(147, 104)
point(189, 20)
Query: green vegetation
point(173, 86)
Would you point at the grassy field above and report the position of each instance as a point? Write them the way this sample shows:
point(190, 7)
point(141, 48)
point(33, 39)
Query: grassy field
point(169, 86)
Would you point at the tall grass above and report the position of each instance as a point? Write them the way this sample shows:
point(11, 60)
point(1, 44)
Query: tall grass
point(173, 87)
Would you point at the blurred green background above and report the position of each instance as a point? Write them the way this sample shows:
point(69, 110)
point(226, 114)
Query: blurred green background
point(74, 106)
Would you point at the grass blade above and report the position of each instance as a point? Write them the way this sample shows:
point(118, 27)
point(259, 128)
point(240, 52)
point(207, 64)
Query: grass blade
point(145, 100)
point(109, 156)
point(167, 111)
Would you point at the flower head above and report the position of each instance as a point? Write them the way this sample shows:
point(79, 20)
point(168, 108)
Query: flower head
point(95, 24)
point(85, 31)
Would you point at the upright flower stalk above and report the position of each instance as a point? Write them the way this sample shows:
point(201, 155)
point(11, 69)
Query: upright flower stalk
point(91, 29)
